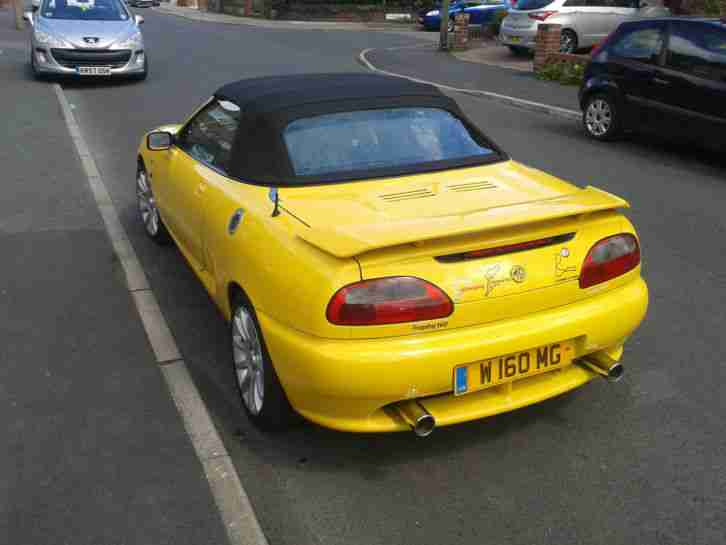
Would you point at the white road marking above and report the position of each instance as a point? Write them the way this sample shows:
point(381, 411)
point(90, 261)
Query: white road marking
point(232, 502)
point(511, 101)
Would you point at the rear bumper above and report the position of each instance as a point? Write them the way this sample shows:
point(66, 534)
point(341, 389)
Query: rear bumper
point(518, 37)
point(345, 384)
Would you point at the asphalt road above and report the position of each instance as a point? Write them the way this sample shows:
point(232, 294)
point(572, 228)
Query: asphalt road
point(637, 462)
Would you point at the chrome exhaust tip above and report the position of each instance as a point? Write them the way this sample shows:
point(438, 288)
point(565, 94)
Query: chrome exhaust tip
point(415, 415)
point(615, 373)
point(604, 366)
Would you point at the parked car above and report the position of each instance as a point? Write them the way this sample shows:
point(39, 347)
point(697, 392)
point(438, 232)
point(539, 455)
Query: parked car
point(667, 76)
point(481, 12)
point(421, 13)
point(142, 3)
point(584, 22)
point(87, 38)
point(383, 264)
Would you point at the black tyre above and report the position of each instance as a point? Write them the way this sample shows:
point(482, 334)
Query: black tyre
point(148, 210)
point(568, 41)
point(518, 50)
point(259, 388)
point(600, 117)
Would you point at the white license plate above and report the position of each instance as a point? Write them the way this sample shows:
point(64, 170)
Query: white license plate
point(94, 70)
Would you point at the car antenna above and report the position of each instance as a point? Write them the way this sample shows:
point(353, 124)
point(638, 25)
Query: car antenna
point(275, 198)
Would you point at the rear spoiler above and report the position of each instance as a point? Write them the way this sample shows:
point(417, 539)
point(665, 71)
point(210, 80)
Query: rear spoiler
point(353, 239)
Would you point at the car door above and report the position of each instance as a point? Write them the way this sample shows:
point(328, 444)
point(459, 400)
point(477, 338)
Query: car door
point(474, 9)
point(695, 76)
point(634, 58)
point(201, 150)
point(596, 20)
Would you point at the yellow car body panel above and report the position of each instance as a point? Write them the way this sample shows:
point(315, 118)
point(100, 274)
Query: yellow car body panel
point(328, 236)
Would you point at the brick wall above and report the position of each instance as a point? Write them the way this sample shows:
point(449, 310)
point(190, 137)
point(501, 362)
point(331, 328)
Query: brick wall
point(547, 43)
point(461, 31)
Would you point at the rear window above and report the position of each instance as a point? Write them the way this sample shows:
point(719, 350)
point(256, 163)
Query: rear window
point(397, 138)
point(532, 4)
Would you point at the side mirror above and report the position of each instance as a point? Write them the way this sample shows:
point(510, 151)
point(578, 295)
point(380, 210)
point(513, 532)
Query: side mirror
point(159, 140)
point(138, 19)
point(28, 16)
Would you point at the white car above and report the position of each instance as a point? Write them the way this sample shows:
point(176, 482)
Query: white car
point(585, 23)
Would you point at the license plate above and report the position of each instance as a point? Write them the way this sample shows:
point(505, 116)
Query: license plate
point(514, 39)
point(485, 374)
point(94, 70)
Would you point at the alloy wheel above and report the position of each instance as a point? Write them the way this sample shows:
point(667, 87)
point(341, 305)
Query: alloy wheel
point(147, 205)
point(568, 42)
point(599, 117)
point(248, 360)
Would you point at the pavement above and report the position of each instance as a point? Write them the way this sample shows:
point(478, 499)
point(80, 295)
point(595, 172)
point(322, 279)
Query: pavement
point(493, 76)
point(194, 14)
point(635, 462)
point(489, 51)
point(95, 451)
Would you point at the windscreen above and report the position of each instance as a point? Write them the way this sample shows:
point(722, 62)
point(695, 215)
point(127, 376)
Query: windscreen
point(525, 5)
point(85, 10)
point(394, 138)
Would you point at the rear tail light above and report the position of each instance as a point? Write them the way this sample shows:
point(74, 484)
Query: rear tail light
point(388, 301)
point(599, 46)
point(541, 15)
point(610, 258)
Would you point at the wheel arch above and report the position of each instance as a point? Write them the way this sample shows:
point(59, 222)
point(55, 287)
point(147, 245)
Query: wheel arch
point(236, 292)
point(601, 85)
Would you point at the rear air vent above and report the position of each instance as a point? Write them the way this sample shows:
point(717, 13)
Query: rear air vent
point(471, 186)
point(408, 195)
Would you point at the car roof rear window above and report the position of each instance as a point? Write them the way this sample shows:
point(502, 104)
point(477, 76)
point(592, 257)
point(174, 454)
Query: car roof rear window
point(377, 140)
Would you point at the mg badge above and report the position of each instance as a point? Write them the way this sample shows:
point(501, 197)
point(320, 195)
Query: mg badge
point(518, 274)
point(235, 220)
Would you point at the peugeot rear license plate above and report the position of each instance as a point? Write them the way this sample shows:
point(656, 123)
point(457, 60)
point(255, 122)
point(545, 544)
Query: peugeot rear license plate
point(484, 374)
point(94, 70)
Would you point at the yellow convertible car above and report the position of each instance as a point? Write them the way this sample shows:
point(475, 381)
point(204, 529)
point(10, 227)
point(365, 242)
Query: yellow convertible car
point(383, 264)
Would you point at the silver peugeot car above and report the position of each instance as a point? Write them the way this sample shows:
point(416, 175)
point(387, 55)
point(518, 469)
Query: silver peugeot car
point(87, 38)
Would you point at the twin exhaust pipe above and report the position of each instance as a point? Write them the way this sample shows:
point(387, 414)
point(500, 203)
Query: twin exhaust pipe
point(423, 423)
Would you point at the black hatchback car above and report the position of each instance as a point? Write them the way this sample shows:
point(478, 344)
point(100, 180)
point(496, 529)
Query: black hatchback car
point(661, 75)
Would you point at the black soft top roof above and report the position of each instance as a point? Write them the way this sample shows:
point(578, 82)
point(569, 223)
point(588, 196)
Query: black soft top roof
point(270, 94)
point(269, 104)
